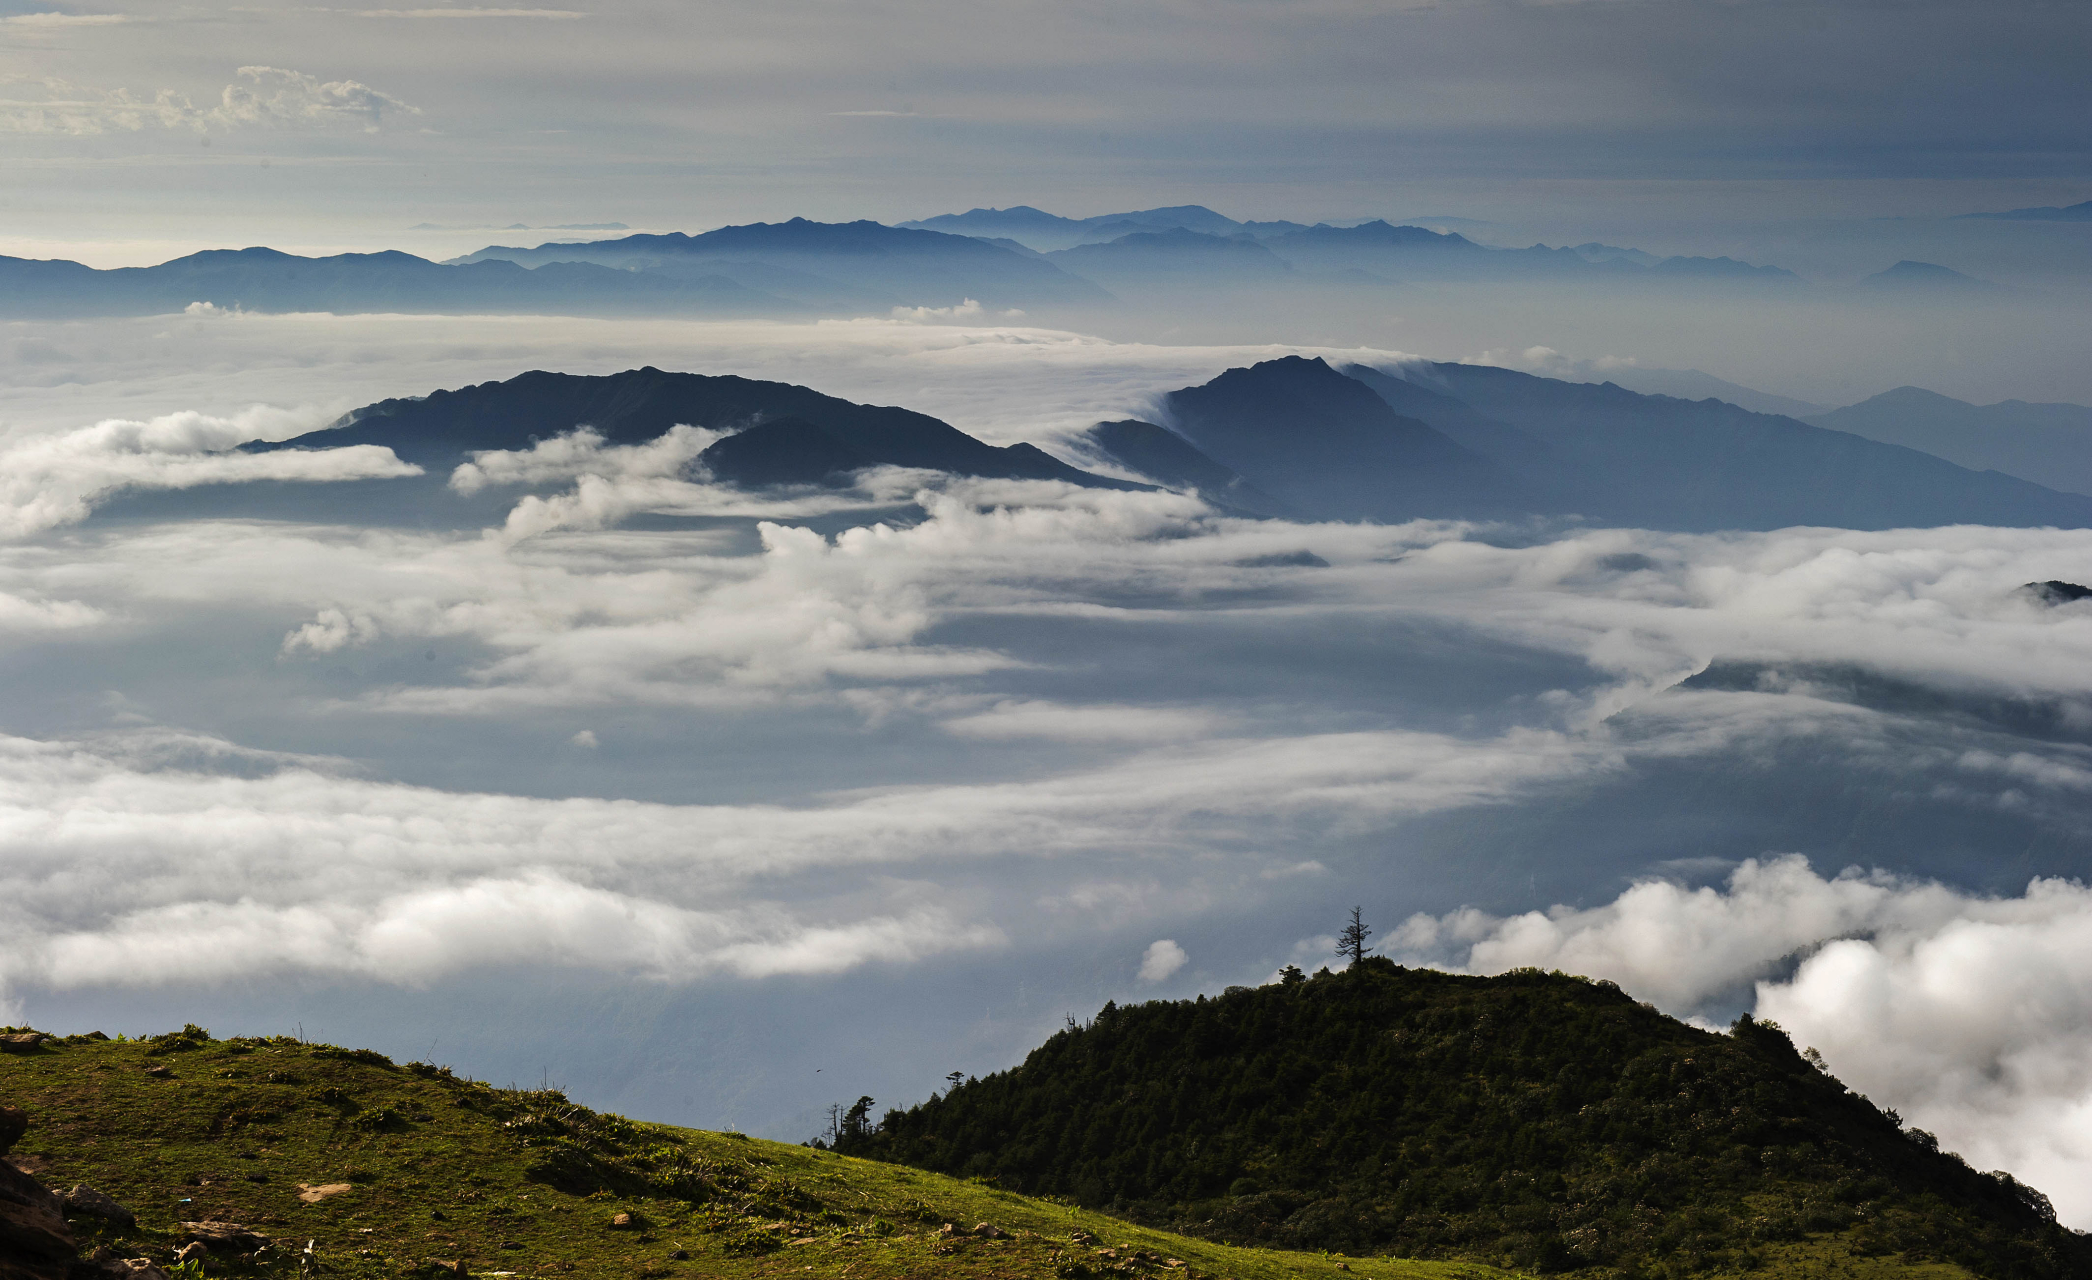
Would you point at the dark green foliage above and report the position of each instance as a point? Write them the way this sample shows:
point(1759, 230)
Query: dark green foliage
point(1539, 1118)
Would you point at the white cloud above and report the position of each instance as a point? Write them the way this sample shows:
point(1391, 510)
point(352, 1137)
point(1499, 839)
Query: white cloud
point(292, 99)
point(212, 861)
point(266, 97)
point(967, 311)
point(585, 738)
point(551, 15)
point(1162, 958)
point(583, 452)
point(56, 479)
point(64, 19)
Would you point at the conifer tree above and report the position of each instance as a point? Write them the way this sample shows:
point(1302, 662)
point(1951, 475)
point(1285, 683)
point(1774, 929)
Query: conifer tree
point(1351, 944)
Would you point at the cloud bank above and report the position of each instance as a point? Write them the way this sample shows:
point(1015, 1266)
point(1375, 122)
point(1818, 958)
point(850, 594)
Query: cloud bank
point(52, 480)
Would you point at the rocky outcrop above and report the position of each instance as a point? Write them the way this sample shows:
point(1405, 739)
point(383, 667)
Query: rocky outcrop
point(86, 1202)
point(36, 1242)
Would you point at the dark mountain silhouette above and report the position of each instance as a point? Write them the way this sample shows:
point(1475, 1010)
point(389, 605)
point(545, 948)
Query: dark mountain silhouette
point(832, 264)
point(1471, 430)
point(784, 451)
point(443, 428)
point(1539, 1117)
point(1662, 463)
point(267, 280)
point(2054, 592)
point(1180, 255)
point(1907, 276)
point(2049, 444)
point(1328, 447)
point(2081, 212)
point(1169, 459)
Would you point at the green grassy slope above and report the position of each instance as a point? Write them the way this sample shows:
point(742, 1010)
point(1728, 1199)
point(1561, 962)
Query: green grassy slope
point(419, 1167)
point(1539, 1120)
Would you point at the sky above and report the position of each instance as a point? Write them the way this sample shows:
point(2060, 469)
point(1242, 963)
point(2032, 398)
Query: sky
point(131, 129)
point(717, 808)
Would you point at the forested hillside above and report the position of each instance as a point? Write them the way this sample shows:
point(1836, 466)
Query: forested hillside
point(1544, 1120)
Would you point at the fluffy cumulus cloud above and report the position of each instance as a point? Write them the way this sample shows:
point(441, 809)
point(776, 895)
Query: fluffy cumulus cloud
point(1971, 1014)
point(1162, 958)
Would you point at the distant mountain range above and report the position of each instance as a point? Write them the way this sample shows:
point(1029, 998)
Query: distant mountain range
point(1047, 231)
point(1473, 441)
point(1013, 260)
point(1296, 438)
point(266, 280)
point(1912, 277)
point(2050, 444)
point(2081, 212)
point(1186, 241)
point(824, 265)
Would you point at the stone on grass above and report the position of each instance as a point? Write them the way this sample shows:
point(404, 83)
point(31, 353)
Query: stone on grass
point(84, 1201)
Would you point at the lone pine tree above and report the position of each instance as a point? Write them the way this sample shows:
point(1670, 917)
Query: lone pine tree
point(1351, 944)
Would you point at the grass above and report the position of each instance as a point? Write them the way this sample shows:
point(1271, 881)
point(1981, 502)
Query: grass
point(392, 1170)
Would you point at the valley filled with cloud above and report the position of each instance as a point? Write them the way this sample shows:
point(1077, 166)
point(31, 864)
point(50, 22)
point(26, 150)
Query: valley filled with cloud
point(939, 760)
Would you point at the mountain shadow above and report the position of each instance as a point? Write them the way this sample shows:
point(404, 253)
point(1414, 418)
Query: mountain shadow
point(1537, 1118)
point(797, 434)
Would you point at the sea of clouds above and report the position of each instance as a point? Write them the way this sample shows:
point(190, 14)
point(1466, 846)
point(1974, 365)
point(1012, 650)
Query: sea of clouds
point(595, 715)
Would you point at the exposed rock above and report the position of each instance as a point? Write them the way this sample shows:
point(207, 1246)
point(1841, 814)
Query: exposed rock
point(35, 1242)
point(162, 1073)
point(621, 1221)
point(85, 1202)
point(314, 1194)
point(194, 1251)
point(14, 1122)
point(22, 1041)
point(988, 1231)
point(224, 1237)
point(105, 1264)
point(2054, 592)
